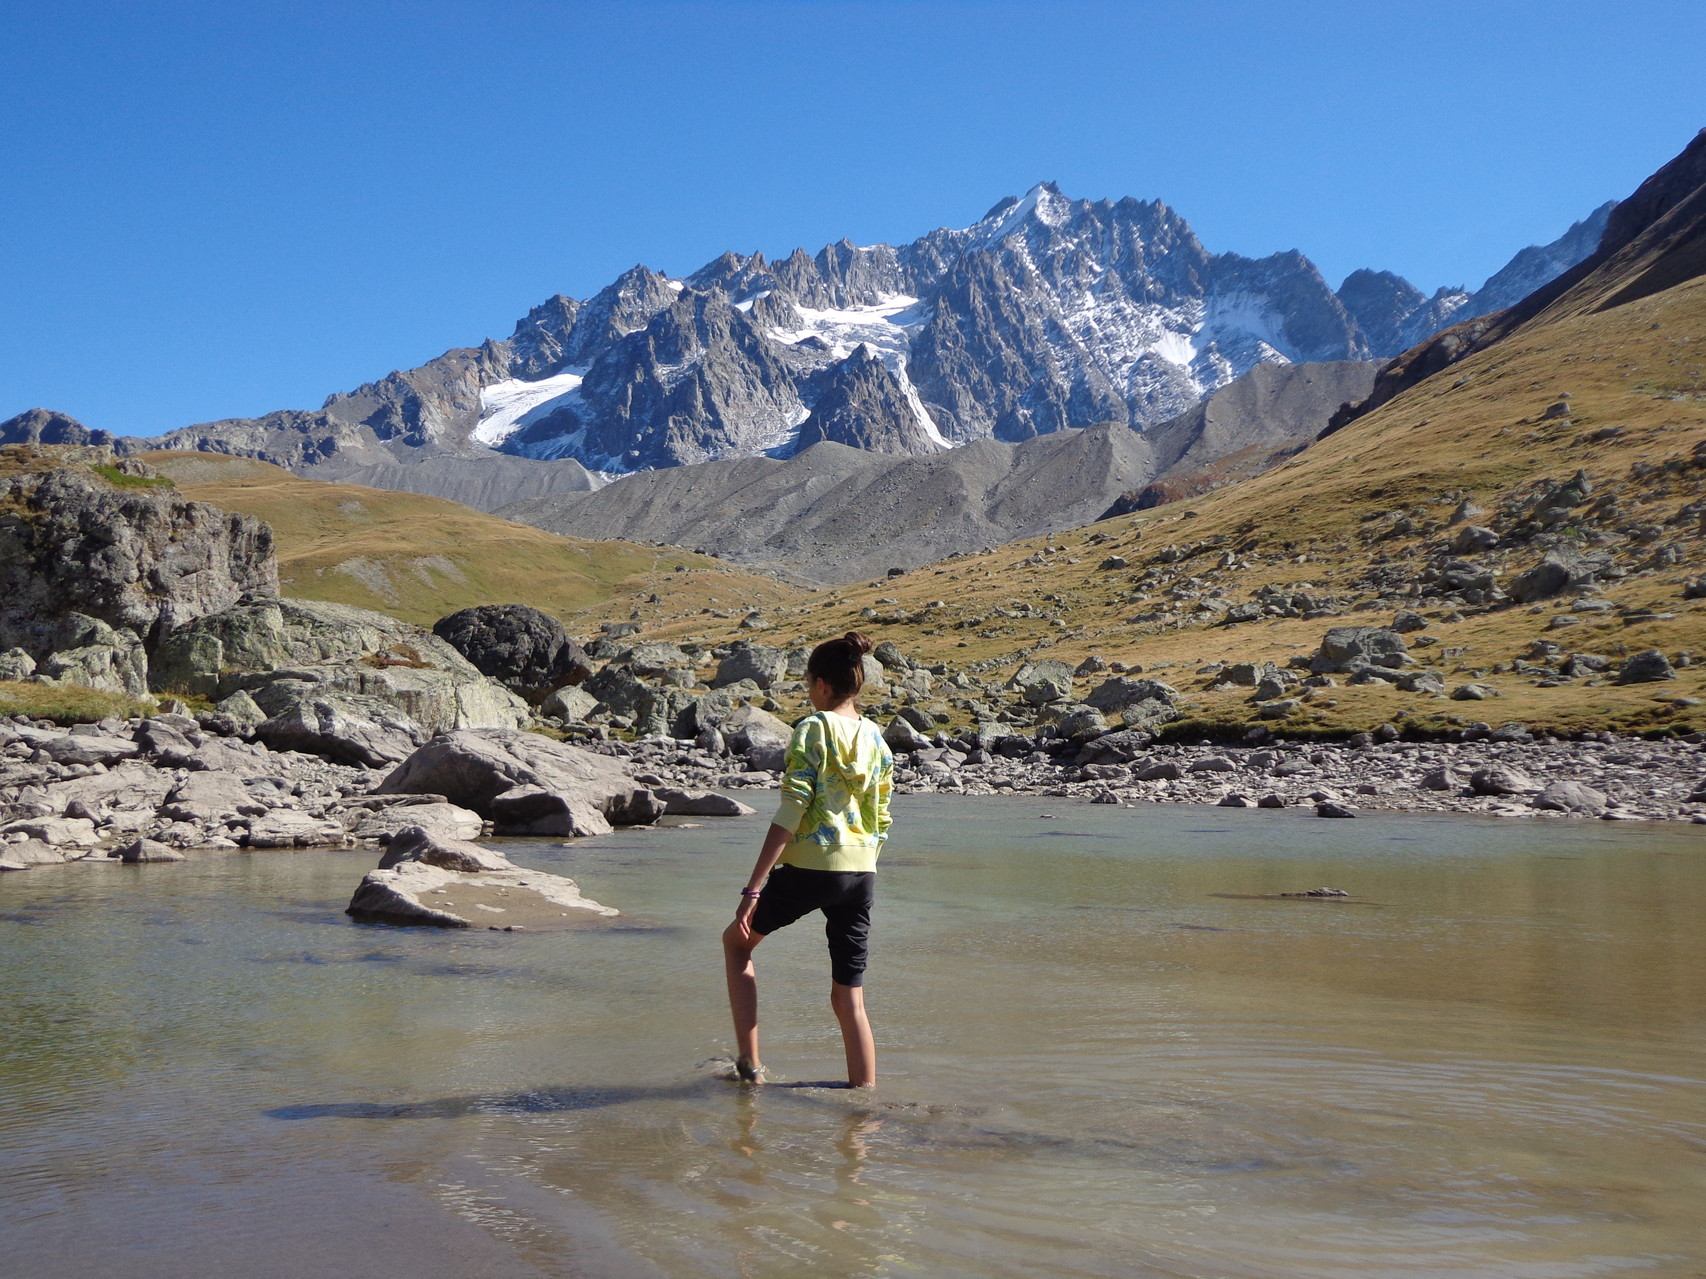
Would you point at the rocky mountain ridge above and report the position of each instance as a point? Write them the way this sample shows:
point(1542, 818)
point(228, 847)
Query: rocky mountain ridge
point(1048, 313)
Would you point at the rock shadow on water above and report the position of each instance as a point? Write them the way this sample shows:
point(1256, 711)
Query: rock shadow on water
point(535, 1102)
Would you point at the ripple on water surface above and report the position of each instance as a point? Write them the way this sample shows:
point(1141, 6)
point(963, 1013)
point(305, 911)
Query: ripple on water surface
point(1110, 1047)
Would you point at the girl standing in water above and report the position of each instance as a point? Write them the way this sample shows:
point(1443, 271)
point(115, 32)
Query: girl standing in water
point(826, 836)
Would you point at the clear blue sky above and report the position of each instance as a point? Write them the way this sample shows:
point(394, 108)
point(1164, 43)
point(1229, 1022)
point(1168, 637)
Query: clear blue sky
point(218, 209)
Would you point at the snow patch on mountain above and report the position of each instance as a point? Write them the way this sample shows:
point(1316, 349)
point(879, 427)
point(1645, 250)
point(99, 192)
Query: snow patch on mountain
point(506, 407)
point(887, 326)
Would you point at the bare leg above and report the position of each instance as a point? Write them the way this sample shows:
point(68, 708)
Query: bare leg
point(849, 1005)
point(738, 945)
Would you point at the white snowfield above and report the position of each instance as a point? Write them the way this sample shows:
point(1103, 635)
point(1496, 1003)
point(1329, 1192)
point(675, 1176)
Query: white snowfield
point(506, 407)
point(887, 328)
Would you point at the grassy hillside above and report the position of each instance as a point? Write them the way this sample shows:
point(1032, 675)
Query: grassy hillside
point(419, 558)
point(1354, 517)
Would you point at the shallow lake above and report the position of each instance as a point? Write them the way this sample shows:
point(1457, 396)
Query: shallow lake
point(1108, 1048)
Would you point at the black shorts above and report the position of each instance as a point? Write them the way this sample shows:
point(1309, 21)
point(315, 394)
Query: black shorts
point(845, 899)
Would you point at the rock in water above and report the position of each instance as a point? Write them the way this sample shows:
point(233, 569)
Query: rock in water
point(443, 883)
point(419, 844)
point(526, 784)
point(522, 648)
point(146, 850)
point(700, 803)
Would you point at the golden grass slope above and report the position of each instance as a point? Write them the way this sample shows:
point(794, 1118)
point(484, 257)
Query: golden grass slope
point(421, 558)
point(1324, 519)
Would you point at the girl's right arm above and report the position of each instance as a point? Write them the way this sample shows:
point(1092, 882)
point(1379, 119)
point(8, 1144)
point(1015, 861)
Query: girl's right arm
point(775, 840)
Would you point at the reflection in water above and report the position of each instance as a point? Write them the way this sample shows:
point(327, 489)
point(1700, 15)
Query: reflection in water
point(1111, 1047)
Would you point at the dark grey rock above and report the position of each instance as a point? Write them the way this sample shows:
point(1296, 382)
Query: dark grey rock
point(1647, 667)
point(526, 650)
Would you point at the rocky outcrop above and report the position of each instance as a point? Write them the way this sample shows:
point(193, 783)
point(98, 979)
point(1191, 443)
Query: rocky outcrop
point(522, 648)
point(99, 558)
point(526, 784)
point(44, 426)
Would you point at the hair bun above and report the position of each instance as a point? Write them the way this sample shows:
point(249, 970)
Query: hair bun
point(860, 642)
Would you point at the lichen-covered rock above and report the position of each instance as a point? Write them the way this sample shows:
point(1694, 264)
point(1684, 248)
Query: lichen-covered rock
point(522, 648)
point(348, 683)
point(571, 704)
point(526, 784)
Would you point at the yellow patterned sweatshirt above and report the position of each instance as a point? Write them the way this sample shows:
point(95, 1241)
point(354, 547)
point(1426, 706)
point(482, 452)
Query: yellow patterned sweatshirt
point(835, 793)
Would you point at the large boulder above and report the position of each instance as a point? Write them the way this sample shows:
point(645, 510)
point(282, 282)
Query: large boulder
point(763, 665)
point(348, 683)
point(1570, 797)
point(438, 819)
point(345, 728)
point(758, 735)
point(1141, 704)
point(522, 648)
point(434, 848)
point(1559, 570)
point(526, 784)
point(130, 786)
point(1648, 667)
point(652, 711)
point(701, 803)
point(1040, 683)
point(571, 704)
point(209, 797)
point(78, 649)
point(1352, 648)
